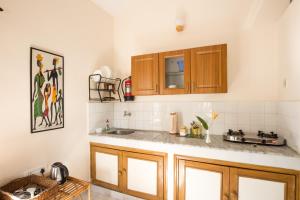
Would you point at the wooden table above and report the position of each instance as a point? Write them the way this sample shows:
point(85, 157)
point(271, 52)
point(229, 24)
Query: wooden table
point(71, 189)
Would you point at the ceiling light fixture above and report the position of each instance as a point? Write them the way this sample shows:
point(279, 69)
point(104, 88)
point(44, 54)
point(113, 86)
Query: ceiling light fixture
point(179, 25)
point(180, 19)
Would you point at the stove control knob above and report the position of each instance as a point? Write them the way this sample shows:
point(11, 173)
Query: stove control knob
point(264, 141)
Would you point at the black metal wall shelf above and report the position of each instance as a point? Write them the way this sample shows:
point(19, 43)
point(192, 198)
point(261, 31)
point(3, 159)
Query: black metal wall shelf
point(109, 87)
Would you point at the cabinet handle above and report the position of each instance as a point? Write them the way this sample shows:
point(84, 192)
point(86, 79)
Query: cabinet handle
point(233, 196)
point(124, 170)
point(120, 172)
point(156, 88)
point(226, 197)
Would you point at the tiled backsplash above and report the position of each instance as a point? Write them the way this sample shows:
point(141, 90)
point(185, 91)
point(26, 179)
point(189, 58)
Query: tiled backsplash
point(283, 117)
point(249, 116)
point(99, 113)
point(155, 116)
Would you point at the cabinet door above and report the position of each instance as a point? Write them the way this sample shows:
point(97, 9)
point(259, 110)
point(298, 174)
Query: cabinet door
point(106, 168)
point(209, 69)
point(144, 73)
point(260, 185)
point(201, 181)
point(143, 175)
point(174, 70)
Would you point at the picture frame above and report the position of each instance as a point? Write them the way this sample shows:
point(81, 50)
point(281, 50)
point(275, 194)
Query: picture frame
point(46, 90)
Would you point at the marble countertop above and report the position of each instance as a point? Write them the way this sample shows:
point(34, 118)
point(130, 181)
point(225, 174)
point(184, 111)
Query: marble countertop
point(217, 143)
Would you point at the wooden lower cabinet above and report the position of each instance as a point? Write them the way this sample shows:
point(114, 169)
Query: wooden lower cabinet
point(106, 167)
point(204, 179)
point(134, 172)
point(144, 175)
point(259, 185)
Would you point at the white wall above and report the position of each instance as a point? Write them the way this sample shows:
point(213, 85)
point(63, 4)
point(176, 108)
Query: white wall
point(248, 27)
point(289, 67)
point(289, 48)
point(82, 33)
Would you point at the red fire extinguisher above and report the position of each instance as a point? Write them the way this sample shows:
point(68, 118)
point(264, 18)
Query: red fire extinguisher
point(127, 89)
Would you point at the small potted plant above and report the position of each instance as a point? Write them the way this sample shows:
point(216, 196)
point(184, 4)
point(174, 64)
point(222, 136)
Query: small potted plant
point(213, 116)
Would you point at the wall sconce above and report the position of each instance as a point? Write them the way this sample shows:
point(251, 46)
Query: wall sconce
point(179, 24)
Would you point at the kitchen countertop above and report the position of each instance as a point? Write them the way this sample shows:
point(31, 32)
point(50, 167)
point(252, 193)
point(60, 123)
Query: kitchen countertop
point(217, 142)
point(281, 157)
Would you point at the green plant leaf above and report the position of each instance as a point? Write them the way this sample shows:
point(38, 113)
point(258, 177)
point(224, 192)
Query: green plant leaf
point(203, 122)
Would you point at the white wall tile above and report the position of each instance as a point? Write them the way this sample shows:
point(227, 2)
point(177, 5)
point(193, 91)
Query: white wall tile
point(283, 117)
point(271, 107)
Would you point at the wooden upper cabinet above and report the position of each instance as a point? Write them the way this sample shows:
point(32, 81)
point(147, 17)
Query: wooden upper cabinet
point(174, 72)
point(144, 70)
point(209, 69)
point(197, 71)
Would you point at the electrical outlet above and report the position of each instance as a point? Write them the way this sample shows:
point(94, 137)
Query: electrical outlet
point(285, 83)
point(36, 171)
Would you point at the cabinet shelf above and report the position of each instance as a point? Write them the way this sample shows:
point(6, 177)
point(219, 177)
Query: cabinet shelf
point(174, 73)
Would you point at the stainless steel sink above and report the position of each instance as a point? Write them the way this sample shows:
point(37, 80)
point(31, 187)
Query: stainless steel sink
point(120, 131)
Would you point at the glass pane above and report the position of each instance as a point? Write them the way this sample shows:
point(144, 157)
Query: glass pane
point(174, 68)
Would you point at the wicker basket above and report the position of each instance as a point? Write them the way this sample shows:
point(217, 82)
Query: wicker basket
point(50, 186)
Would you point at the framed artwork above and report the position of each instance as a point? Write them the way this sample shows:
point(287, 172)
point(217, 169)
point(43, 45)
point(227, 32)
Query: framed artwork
point(46, 90)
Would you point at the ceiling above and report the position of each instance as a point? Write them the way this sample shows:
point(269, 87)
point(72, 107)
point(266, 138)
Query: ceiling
point(117, 7)
point(113, 7)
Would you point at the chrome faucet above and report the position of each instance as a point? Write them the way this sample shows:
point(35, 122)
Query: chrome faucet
point(107, 127)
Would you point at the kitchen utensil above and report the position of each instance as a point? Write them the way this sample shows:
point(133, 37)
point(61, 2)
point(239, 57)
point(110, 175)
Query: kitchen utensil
point(172, 86)
point(99, 130)
point(21, 194)
point(59, 172)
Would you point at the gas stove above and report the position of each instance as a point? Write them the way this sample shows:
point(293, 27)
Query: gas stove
point(261, 138)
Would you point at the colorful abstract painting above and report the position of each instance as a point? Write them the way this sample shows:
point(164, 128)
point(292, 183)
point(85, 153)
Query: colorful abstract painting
point(47, 90)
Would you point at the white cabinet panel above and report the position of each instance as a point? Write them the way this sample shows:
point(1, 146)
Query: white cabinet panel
point(250, 189)
point(202, 184)
point(142, 176)
point(107, 168)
